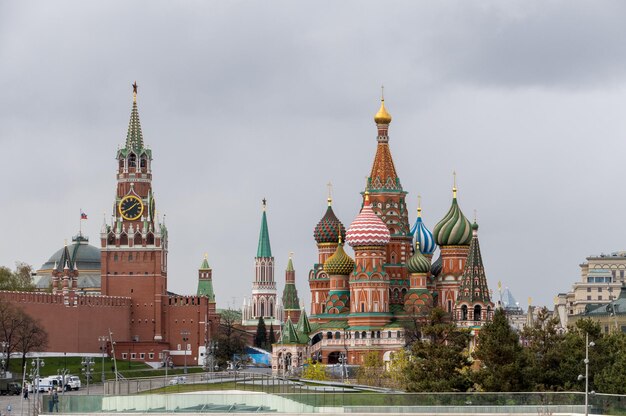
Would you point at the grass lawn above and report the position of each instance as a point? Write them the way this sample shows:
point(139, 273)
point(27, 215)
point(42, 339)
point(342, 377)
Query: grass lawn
point(129, 369)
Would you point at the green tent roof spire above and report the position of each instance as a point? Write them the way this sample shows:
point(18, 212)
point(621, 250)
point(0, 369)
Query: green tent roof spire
point(264, 249)
point(205, 263)
point(134, 137)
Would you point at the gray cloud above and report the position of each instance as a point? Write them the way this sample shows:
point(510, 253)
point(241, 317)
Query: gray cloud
point(245, 100)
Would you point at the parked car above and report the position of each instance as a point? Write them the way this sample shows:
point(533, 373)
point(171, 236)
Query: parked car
point(10, 386)
point(178, 380)
point(73, 382)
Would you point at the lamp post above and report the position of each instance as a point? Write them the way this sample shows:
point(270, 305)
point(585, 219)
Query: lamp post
point(103, 349)
point(166, 364)
point(36, 364)
point(62, 374)
point(87, 364)
point(209, 358)
point(185, 335)
point(586, 376)
point(342, 361)
point(5, 359)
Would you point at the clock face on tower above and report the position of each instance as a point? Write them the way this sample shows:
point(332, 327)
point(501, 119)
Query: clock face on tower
point(130, 207)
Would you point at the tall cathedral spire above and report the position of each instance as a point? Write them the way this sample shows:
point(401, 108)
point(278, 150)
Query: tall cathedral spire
point(134, 137)
point(383, 175)
point(264, 249)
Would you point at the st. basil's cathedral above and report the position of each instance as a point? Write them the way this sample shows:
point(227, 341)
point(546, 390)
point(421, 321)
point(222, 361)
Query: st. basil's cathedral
point(363, 304)
point(358, 305)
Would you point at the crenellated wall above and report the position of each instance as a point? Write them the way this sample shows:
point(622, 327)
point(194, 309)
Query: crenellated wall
point(75, 328)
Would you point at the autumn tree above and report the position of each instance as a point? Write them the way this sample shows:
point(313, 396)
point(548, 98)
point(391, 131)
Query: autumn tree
point(314, 370)
point(372, 371)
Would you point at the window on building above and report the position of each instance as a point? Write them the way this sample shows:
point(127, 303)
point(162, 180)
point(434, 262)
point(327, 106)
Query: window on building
point(133, 355)
point(142, 355)
point(124, 356)
point(599, 297)
point(599, 290)
point(588, 297)
point(589, 290)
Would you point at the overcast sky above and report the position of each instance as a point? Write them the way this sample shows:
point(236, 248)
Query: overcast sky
point(241, 100)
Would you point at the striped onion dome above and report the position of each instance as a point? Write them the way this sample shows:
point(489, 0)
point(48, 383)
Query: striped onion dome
point(454, 229)
point(422, 235)
point(339, 263)
point(367, 229)
point(418, 263)
point(326, 230)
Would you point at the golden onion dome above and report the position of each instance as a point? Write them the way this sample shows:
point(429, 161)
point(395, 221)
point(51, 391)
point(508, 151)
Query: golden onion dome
point(382, 117)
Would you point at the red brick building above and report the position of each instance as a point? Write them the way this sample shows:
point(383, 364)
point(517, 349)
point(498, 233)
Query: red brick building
point(145, 320)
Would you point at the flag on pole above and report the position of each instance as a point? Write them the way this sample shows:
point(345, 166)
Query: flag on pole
point(83, 216)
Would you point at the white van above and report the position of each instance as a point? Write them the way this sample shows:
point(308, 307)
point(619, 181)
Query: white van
point(72, 382)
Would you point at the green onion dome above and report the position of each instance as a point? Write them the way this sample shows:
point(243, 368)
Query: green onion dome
point(418, 263)
point(339, 263)
point(454, 229)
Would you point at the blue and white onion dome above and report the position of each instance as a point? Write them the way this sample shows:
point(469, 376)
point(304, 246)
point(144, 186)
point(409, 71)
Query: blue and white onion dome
point(422, 235)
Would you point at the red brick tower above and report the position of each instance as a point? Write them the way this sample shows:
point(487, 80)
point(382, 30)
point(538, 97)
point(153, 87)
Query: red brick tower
point(388, 202)
point(369, 283)
point(134, 246)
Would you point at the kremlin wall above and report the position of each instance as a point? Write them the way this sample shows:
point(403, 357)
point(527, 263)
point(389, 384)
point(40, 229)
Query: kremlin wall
point(357, 305)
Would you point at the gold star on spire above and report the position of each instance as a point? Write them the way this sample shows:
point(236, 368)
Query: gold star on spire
point(135, 91)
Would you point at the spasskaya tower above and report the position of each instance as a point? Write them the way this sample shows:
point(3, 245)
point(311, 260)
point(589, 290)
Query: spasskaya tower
point(134, 244)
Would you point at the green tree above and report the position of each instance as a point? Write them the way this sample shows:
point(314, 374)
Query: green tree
point(609, 378)
point(272, 337)
point(313, 370)
point(503, 361)
point(546, 352)
point(439, 362)
point(231, 339)
point(260, 339)
point(18, 280)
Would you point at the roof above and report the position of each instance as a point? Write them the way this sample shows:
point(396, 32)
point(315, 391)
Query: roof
point(329, 227)
point(290, 297)
point(618, 306)
point(422, 235)
point(454, 229)
point(205, 288)
point(473, 286)
point(367, 229)
point(82, 255)
point(264, 249)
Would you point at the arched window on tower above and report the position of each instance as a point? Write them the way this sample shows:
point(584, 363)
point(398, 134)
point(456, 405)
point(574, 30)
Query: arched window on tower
point(137, 241)
point(477, 312)
point(121, 164)
point(262, 308)
point(132, 160)
point(271, 307)
point(124, 239)
point(143, 162)
point(464, 313)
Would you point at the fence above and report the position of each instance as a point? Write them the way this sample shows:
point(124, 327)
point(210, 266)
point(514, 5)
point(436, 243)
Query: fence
point(338, 402)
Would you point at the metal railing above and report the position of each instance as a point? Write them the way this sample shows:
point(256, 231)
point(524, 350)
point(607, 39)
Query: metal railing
point(327, 401)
